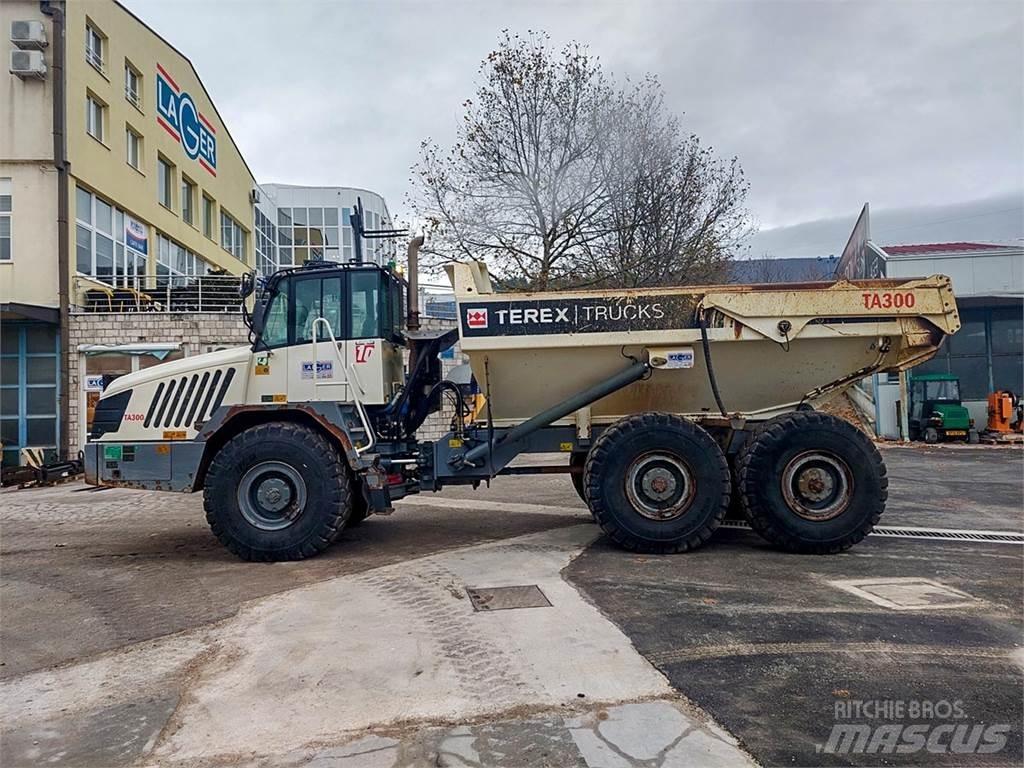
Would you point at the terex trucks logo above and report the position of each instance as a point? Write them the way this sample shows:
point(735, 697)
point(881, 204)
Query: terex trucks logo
point(476, 318)
point(606, 314)
point(178, 115)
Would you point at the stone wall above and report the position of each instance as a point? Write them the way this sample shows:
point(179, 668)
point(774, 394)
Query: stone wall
point(197, 332)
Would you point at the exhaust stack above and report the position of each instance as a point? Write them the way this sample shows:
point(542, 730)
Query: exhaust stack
point(413, 320)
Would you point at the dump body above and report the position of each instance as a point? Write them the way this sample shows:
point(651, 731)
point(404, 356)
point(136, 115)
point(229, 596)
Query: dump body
point(773, 347)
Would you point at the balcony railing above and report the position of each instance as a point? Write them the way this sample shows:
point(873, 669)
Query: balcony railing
point(162, 293)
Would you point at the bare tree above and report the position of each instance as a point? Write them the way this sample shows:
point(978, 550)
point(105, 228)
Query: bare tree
point(558, 179)
point(674, 212)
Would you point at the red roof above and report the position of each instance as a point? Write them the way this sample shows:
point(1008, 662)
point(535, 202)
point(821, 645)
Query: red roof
point(941, 248)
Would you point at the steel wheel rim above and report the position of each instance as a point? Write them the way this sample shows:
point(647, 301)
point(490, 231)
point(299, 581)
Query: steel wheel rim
point(817, 485)
point(271, 495)
point(660, 486)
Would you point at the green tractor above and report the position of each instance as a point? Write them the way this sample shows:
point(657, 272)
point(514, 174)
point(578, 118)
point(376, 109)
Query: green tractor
point(936, 413)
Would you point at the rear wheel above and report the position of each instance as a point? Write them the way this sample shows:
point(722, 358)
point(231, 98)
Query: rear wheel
point(657, 483)
point(577, 462)
point(277, 491)
point(811, 482)
point(931, 435)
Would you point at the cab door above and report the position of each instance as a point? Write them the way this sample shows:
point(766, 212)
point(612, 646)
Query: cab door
point(316, 367)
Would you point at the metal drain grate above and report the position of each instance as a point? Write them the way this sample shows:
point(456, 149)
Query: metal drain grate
point(506, 598)
point(912, 532)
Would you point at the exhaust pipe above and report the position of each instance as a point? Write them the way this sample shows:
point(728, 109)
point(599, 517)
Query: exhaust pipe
point(413, 320)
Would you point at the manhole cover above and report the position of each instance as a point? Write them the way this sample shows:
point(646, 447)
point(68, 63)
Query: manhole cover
point(504, 598)
point(907, 594)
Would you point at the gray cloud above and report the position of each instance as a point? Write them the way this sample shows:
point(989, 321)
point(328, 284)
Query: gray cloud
point(827, 104)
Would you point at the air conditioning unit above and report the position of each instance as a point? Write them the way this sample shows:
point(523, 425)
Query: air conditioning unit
point(28, 64)
point(254, 196)
point(28, 35)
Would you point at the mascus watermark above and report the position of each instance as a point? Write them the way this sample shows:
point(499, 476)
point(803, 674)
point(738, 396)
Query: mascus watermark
point(894, 727)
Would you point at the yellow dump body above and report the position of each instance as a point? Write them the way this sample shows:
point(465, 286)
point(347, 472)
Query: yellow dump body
point(772, 347)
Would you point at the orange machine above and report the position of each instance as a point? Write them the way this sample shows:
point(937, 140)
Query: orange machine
point(1005, 412)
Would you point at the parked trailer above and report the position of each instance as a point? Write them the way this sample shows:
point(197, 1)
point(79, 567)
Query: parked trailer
point(667, 401)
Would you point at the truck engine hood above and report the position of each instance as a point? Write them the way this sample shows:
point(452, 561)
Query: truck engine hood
point(175, 368)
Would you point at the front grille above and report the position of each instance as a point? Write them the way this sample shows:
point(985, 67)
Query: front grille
point(108, 414)
point(190, 398)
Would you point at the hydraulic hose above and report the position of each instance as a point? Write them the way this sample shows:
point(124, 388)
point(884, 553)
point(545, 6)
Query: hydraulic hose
point(707, 361)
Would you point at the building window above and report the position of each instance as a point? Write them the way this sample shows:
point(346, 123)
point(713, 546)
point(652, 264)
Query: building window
point(175, 263)
point(28, 389)
point(132, 85)
point(94, 116)
point(165, 183)
point(188, 200)
point(95, 42)
point(102, 250)
point(232, 236)
point(310, 234)
point(209, 206)
point(266, 244)
point(133, 148)
point(5, 219)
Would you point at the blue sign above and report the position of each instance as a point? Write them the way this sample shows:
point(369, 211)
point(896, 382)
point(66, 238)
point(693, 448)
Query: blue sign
point(178, 115)
point(136, 236)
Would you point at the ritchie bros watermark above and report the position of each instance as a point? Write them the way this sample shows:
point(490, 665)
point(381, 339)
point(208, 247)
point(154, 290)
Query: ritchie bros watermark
point(909, 726)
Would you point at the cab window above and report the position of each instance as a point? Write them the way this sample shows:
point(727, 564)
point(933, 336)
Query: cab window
point(275, 324)
point(316, 297)
point(365, 305)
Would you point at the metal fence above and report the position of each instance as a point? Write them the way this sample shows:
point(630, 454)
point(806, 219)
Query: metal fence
point(160, 293)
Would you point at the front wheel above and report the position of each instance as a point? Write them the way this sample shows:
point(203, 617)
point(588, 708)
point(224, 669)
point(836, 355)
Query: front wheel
point(277, 491)
point(811, 482)
point(657, 483)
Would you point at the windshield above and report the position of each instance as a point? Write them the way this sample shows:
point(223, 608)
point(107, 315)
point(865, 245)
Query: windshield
point(943, 390)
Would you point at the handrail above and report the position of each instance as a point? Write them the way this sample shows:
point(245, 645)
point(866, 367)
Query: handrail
point(370, 435)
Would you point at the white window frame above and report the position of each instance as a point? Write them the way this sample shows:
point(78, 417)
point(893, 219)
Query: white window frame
point(209, 205)
point(95, 42)
point(188, 212)
point(176, 262)
point(7, 191)
point(132, 76)
point(132, 138)
point(232, 236)
point(165, 186)
point(95, 110)
point(121, 252)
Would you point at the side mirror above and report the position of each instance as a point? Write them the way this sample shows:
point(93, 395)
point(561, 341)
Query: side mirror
point(247, 285)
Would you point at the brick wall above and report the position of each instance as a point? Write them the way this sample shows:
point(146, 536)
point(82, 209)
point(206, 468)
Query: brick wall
point(197, 332)
point(439, 423)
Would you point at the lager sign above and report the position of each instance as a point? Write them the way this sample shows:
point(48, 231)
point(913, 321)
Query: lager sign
point(178, 115)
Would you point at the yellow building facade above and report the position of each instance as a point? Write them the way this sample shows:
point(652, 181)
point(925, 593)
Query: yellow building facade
point(157, 193)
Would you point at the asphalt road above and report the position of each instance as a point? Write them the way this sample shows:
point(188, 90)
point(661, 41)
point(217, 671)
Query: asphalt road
point(769, 644)
point(778, 654)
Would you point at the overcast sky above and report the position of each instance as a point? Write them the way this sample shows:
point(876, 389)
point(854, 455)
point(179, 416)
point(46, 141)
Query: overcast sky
point(917, 107)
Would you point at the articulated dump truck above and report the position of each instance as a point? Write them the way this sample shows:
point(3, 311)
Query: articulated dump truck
point(673, 405)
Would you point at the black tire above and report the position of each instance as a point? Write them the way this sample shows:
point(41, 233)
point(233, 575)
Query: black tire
point(578, 461)
point(360, 509)
point(685, 462)
point(931, 435)
point(837, 485)
point(298, 465)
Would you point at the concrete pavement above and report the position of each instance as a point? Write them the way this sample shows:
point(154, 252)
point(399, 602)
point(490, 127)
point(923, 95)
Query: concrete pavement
point(396, 653)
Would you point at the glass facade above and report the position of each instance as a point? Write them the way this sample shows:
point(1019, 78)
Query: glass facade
point(175, 263)
point(987, 354)
point(100, 248)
